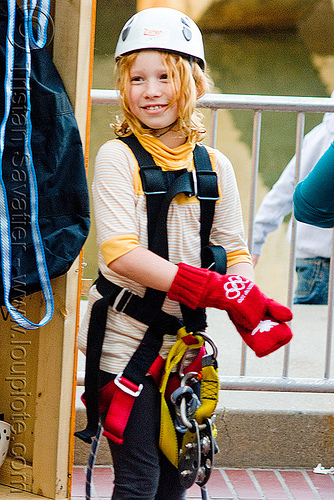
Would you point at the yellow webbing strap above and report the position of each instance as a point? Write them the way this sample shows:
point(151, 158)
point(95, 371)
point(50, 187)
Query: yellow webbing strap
point(168, 438)
point(209, 393)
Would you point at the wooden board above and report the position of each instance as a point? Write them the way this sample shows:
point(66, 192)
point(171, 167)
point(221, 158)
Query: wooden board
point(37, 368)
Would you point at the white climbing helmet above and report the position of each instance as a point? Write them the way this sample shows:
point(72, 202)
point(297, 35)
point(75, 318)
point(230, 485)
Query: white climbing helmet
point(4, 440)
point(162, 28)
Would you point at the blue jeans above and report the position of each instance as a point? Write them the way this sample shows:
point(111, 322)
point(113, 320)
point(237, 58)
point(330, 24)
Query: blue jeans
point(313, 277)
point(141, 470)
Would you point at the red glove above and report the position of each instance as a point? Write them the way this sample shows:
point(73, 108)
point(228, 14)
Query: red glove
point(244, 302)
point(267, 337)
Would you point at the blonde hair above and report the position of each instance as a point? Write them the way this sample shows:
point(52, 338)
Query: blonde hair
point(189, 83)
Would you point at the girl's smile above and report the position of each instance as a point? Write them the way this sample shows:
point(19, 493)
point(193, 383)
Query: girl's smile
point(150, 91)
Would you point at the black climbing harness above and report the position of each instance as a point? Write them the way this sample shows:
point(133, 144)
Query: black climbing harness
point(160, 188)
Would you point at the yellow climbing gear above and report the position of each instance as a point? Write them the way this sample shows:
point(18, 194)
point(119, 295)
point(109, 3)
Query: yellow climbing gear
point(192, 452)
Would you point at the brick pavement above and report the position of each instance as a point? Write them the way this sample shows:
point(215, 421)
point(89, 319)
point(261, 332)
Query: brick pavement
point(230, 484)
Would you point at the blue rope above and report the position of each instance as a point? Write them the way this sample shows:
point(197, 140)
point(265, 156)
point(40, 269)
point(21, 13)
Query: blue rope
point(5, 240)
point(91, 461)
point(204, 493)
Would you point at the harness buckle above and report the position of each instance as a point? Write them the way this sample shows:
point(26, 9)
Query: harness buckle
point(125, 388)
point(122, 300)
point(195, 185)
point(207, 186)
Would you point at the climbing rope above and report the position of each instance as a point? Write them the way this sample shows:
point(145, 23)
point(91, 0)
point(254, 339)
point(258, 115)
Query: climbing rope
point(5, 240)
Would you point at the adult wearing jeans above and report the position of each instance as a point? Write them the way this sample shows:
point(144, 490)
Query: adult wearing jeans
point(313, 244)
point(314, 196)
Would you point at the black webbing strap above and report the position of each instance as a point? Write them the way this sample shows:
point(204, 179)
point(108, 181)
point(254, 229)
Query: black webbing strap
point(95, 336)
point(202, 183)
point(142, 309)
point(153, 182)
point(160, 188)
point(159, 323)
point(207, 191)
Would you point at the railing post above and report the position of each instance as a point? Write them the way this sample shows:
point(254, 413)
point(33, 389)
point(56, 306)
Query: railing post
point(252, 201)
point(213, 128)
point(292, 261)
point(330, 316)
point(254, 176)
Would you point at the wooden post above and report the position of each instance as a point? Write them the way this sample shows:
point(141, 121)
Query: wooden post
point(37, 368)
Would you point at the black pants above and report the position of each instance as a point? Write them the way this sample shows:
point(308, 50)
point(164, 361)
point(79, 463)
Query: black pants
point(141, 470)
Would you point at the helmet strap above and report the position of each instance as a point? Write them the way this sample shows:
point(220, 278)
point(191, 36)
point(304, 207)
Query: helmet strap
point(163, 130)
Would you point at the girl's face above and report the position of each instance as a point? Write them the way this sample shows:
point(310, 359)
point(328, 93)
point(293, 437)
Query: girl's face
point(150, 91)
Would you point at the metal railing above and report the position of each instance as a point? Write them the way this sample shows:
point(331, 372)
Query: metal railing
point(258, 104)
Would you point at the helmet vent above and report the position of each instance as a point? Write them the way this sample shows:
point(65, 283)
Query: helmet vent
point(186, 30)
point(126, 30)
point(187, 34)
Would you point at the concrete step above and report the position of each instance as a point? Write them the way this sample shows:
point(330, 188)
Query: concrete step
point(266, 436)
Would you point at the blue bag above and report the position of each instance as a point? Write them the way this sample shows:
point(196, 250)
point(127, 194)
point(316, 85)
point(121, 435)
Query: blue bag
point(61, 199)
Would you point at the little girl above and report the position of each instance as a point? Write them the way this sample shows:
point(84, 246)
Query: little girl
point(161, 65)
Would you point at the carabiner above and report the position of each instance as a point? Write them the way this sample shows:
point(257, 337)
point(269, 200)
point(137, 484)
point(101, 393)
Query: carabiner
point(183, 407)
point(210, 341)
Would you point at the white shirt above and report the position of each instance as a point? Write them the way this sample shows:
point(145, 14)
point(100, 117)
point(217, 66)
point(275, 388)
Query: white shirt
point(311, 241)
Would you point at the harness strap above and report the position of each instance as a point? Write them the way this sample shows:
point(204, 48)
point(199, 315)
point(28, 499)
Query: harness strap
point(201, 183)
point(117, 399)
point(214, 258)
point(160, 188)
point(95, 336)
point(209, 391)
point(168, 438)
point(159, 323)
point(207, 191)
point(153, 182)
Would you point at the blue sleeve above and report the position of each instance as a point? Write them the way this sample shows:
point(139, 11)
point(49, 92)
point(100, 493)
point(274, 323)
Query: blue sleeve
point(314, 196)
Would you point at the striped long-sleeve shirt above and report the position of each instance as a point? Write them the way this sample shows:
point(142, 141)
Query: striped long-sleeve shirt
point(121, 221)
